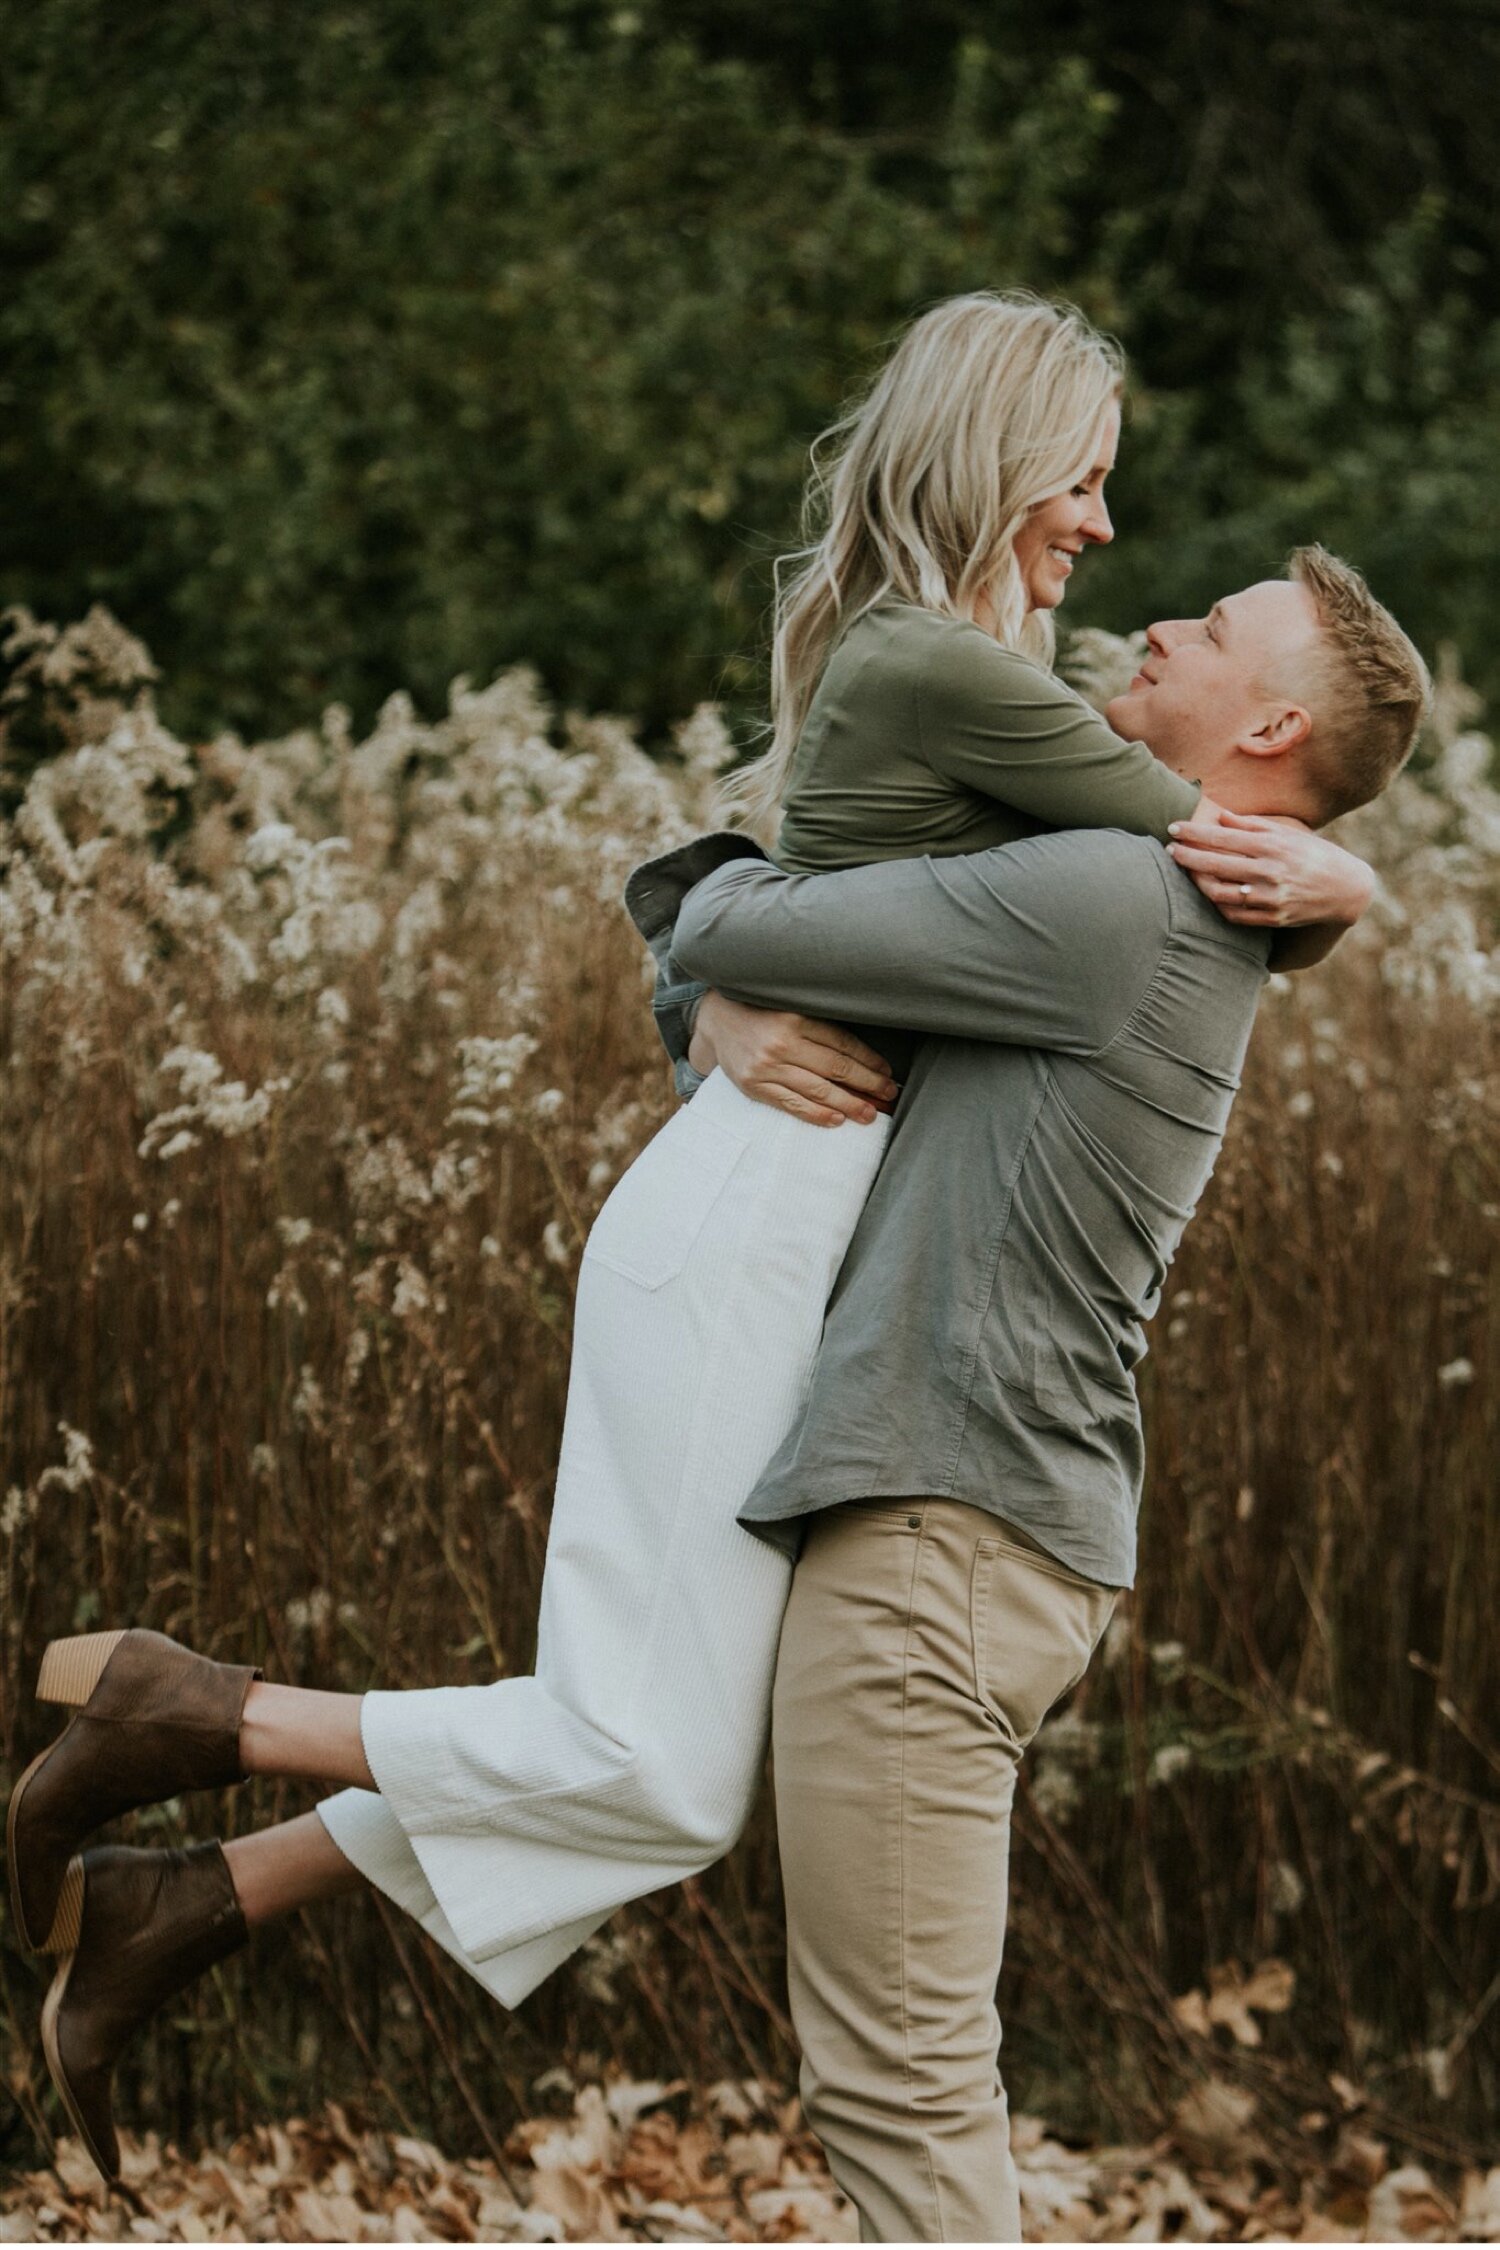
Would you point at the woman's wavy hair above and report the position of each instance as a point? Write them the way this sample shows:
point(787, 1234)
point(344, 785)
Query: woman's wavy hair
point(989, 404)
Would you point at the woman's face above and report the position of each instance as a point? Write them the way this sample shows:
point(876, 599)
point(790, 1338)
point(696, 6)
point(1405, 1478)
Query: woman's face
point(1056, 531)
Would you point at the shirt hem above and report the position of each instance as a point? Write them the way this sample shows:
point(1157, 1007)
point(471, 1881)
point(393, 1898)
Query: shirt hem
point(765, 1522)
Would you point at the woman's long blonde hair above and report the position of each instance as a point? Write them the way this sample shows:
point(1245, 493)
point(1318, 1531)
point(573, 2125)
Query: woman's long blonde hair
point(989, 404)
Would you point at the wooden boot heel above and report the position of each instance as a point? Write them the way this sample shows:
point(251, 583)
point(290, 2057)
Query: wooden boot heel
point(71, 1669)
point(68, 1920)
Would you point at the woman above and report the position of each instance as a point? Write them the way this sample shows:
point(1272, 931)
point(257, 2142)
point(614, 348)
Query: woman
point(914, 713)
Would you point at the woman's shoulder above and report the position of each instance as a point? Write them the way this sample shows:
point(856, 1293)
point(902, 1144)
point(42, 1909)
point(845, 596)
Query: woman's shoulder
point(958, 662)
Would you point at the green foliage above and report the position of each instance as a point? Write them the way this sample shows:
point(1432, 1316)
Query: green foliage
point(374, 342)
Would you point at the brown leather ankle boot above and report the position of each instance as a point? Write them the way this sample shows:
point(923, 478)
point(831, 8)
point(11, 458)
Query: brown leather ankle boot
point(154, 1720)
point(139, 1926)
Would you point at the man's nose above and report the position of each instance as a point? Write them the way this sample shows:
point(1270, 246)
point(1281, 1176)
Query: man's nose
point(1159, 637)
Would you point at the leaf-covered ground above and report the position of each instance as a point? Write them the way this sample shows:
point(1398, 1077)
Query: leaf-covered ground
point(638, 2163)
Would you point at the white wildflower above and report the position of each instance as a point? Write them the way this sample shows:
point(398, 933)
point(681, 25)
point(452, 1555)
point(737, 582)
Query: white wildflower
point(412, 1293)
point(356, 1353)
point(77, 1469)
point(176, 1144)
point(488, 1069)
point(308, 1403)
point(210, 1104)
point(197, 1073)
point(273, 847)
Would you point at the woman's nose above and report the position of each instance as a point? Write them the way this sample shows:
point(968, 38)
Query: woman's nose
point(1096, 524)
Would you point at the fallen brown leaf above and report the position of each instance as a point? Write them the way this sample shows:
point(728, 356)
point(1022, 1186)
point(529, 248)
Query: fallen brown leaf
point(739, 2167)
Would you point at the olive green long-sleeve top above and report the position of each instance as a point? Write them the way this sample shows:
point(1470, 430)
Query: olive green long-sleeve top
point(927, 738)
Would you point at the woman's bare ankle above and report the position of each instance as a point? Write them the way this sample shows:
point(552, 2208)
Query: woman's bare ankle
point(296, 1863)
point(304, 1734)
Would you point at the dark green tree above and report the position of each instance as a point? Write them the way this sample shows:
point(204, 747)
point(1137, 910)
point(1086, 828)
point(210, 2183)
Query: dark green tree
point(353, 347)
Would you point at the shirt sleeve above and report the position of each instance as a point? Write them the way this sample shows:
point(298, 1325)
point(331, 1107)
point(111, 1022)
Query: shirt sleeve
point(653, 895)
point(1004, 728)
point(1051, 942)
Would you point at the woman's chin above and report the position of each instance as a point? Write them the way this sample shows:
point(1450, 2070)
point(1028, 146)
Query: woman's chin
point(1048, 595)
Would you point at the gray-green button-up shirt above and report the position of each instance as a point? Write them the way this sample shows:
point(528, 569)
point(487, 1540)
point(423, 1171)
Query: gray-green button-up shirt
point(1085, 1015)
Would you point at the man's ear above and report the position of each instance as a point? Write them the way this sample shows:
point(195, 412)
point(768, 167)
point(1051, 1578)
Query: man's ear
point(1284, 728)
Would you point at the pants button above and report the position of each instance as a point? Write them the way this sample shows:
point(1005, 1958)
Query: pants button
point(913, 1523)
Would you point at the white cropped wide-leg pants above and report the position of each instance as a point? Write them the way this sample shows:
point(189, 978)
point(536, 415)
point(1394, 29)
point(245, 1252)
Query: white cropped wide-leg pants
point(513, 1819)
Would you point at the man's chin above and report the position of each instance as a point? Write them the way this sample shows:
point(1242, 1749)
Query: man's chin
point(1123, 713)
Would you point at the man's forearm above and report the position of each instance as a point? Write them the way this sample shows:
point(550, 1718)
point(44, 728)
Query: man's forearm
point(809, 942)
point(994, 946)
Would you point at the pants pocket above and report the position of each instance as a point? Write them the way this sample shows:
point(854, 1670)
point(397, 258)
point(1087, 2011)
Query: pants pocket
point(1034, 1626)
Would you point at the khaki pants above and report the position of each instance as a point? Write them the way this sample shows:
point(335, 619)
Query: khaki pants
point(924, 1643)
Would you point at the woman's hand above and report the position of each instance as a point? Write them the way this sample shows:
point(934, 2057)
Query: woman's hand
point(811, 1070)
point(1272, 873)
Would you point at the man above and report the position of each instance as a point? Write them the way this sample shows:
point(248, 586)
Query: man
point(964, 1482)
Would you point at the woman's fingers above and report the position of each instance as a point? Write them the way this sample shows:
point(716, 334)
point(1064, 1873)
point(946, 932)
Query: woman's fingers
point(1236, 905)
point(825, 1051)
point(1228, 867)
point(1263, 824)
point(1225, 843)
point(815, 1071)
point(811, 1113)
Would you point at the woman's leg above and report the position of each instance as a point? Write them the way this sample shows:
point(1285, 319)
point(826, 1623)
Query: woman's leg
point(534, 1807)
point(303, 1734)
point(296, 1863)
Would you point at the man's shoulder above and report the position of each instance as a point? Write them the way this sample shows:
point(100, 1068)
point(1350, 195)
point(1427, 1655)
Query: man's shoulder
point(1126, 891)
point(1105, 865)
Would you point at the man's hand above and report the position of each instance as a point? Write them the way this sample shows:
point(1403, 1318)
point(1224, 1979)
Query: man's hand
point(811, 1070)
point(1272, 873)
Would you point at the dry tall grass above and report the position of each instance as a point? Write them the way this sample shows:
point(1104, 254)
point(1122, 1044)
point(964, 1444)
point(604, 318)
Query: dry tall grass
point(319, 1058)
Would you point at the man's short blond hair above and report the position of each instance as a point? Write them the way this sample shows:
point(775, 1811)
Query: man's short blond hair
point(1369, 690)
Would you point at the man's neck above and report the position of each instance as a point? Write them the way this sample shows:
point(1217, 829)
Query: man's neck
point(1244, 785)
